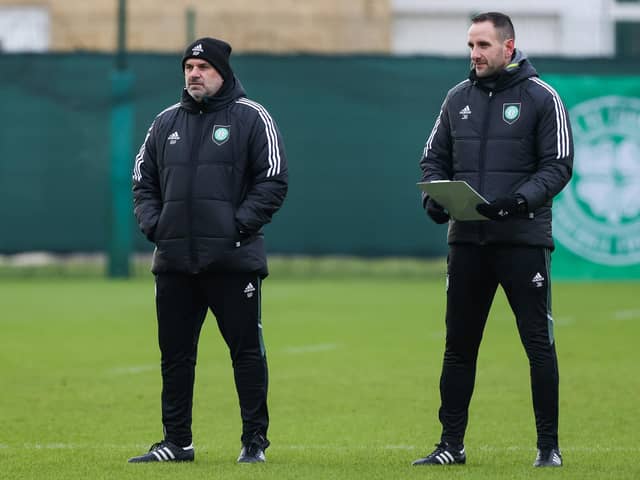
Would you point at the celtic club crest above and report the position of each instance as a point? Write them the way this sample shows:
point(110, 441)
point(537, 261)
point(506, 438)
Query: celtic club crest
point(597, 215)
point(510, 112)
point(220, 134)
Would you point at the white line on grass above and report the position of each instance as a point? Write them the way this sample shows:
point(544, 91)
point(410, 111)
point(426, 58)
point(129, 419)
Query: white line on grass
point(51, 446)
point(564, 321)
point(321, 347)
point(626, 314)
point(132, 370)
point(75, 446)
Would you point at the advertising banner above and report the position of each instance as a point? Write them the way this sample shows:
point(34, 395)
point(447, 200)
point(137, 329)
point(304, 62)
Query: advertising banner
point(596, 222)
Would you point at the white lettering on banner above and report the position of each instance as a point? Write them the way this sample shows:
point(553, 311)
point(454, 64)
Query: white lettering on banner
point(629, 244)
point(594, 121)
point(597, 215)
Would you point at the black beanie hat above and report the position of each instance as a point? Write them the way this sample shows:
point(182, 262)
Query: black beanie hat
point(214, 51)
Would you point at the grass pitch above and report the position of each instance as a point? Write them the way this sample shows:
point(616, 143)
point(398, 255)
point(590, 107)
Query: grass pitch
point(354, 368)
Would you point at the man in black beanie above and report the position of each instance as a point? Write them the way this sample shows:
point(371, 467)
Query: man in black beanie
point(209, 175)
point(214, 51)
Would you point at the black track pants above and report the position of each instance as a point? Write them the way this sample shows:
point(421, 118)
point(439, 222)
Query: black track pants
point(182, 302)
point(474, 273)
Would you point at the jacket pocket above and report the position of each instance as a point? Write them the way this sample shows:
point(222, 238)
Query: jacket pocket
point(241, 240)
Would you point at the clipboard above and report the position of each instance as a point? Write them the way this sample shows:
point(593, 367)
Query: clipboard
point(456, 196)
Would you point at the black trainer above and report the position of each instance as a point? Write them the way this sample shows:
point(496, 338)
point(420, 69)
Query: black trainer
point(548, 457)
point(166, 452)
point(253, 452)
point(444, 454)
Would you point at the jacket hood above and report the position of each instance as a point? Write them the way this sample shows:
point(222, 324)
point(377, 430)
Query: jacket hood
point(229, 92)
point(517, 70)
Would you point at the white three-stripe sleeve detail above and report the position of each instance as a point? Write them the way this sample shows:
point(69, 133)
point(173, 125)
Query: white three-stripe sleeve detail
point(137, 169)
point(433, 134)
point(270, 132)
point(438, 121)
point(562, 126)
point(272, 140)
point(137, 172)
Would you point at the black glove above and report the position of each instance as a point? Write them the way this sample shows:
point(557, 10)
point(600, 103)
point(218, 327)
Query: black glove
point(436, 211)
point(503, 207)
point(241, 234)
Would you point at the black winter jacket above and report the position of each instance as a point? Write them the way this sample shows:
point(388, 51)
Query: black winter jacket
point(206, 179)
point(504, 136)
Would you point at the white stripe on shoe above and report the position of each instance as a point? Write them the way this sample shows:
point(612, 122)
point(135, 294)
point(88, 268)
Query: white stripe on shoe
point(168, 451)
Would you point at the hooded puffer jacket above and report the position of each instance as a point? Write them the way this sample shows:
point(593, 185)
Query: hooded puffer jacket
point(206, 179)
point(504, 136)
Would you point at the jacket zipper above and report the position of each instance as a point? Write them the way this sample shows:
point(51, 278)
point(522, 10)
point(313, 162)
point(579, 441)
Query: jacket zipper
point(483, 154)
point(193, 256)
point(483, 143)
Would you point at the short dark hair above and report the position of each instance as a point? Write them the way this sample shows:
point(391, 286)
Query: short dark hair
point(500, 21)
